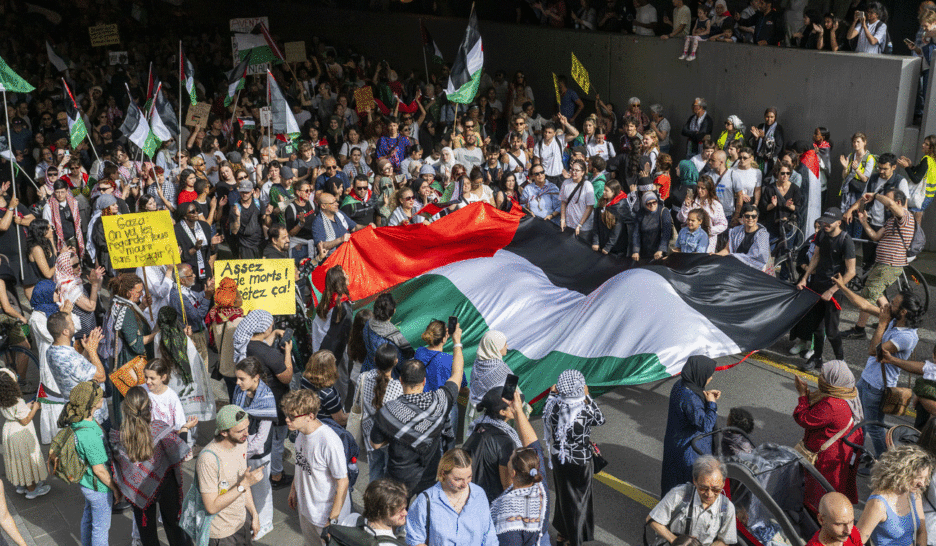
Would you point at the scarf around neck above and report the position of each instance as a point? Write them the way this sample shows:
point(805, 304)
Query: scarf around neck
point(197, 235)
point(521, 510)
point(500, 425)
point(140, 481)
point(261, 406)
point(56, 209)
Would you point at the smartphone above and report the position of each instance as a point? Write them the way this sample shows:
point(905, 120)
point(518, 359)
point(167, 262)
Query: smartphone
point(510, 387)
point(909, 43)
point(859, 15)
point(452, 323)
point(264, 464)
point(287, 335)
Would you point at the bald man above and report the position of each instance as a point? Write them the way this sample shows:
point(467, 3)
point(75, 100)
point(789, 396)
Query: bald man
point(837, 520)
point(197, 305)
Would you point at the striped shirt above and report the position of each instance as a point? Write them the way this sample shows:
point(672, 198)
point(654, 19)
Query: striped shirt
point(892, 250)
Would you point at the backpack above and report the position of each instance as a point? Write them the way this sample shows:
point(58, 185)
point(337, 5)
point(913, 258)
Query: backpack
point(358, 535)
point(64, 461)
point(916, 243)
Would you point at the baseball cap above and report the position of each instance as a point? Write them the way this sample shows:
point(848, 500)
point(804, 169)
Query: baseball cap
point(245, 186)
point(229, 417)
point(832, 214)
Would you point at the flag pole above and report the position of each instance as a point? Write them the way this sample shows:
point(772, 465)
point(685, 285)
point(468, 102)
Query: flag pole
point(146, 285)
point(234, 112)
point(6, 114)
point(181, 85)
point(78, 109)
point(425, 63)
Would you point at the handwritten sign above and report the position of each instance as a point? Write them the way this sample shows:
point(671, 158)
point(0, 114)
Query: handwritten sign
point(295, 52)
point(137, 240)
point(364, 98)
point(197, 115)
point(266, 116)
point(263, 284)
point(246, 24)
point(104, 35)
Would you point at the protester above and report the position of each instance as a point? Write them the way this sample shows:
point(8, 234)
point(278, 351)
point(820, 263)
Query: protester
point(491, 443)
point(192, 235)
point(692, 411)
point(414, 447)
point(197, 304)
point(21, 455)
point(829, 416)
point(614, 221)
point(568, 416)
point(331, 327)
point(222, 321)
point(749, 242)
point(653, 227)
point(454, 509)
point(379, 330)
point(438, 369)
point(836, 522)
point(320, 376)
point(385, 510)
point(898, 482)
point(376, 388)
point(148, 454)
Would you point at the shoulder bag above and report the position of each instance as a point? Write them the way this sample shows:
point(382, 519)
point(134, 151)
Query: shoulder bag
point(896, 399)
point(811, 456)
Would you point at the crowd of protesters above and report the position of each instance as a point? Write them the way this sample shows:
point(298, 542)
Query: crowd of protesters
point(351, 387)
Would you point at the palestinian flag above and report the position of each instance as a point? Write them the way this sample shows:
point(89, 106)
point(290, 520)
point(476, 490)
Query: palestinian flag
point(283, 122)
point(152, 84)
point(57, 60)
point(136, 128)
point(187, 75)
point(158, 132)
point(76, 125)
point(258, 45)
point(562, 305)
point(235, 79)
point(11, 81)
point(166, 114)
point(466, 70)
point(432, 49)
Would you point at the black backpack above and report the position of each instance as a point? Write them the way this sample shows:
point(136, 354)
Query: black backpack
point(358, 535)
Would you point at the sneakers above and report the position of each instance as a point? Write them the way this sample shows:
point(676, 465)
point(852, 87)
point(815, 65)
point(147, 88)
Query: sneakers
point(683, 56)
point(690, 58)
point(20, 490)
point(799, 348)
point(284, 481)
point(854, 333)
point(809, 354)
point(39, 491)
point(811, 365)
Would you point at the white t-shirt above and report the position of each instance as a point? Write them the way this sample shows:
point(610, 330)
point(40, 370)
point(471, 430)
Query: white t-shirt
point(550, 155)
point(575, 208)
point(746, 181)
point(646, 14)
point(320, 461)
point(167, 407)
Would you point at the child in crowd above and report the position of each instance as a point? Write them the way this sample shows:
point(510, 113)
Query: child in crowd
point(732, 442)
point(21, 456)
point(693, 237)
point(165, 404)
point(703, 28)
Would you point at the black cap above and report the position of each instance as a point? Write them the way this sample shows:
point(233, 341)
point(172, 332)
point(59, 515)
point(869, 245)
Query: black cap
point(832, 214)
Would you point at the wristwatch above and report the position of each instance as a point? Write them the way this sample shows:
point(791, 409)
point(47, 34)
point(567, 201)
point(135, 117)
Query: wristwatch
point(241, 489)
point(333, 521)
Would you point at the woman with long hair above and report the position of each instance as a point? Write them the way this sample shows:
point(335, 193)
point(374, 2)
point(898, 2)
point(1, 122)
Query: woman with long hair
point(148, 455)
point(568, 416)
point(614, 221)
point(376, 387)
point(40, 250)
point(705, 198)
point(320, 376)
point(357, 351)
point(477, 190)
point(252, 394)
point(650, 147)
point(508, 192)
point(331, 327)
point(186, 187)
point(405, 212)
point(438, 369)
point(453, 492)
point(893, 514)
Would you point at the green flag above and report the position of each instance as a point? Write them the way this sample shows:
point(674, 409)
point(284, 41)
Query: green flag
point(10, 81)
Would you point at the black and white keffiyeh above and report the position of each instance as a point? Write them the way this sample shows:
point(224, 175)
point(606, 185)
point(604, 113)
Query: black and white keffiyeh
point(256, 321)
point(197, 235)
point(567, 405)
point(415, 419)
point(520, 510)
point(485, 375)
point(498, 424)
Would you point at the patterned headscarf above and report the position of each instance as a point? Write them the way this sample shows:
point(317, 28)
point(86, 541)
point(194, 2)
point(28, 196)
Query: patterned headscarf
point(81, 401)
point(256, 322)
point(688, 174)
point(56, 211)
point(226, 293)
point(223, 310)
point(43, 297)
point(66, 280)
point(174, 341)
point(837, 381)
point(569, 404)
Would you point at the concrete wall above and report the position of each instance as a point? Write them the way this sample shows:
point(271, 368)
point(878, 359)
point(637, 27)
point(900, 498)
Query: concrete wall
point(844, 92)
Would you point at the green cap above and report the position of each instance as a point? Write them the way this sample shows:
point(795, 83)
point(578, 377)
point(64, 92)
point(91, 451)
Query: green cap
point(229, 417)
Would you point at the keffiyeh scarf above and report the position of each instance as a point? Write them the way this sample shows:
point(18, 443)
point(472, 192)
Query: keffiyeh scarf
point(261, 406)
point(257, 321)
point(520, 510)
point(568, 405)
point(67, 281)
point(139, 482)
point(56, 210)
point(485, 375)
point(499, 425)
point(415, 419)
point(196, 235)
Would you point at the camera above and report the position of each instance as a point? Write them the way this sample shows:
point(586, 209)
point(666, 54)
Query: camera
point(859, 15)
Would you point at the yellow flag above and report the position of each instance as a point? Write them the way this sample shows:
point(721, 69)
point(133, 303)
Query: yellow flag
point(556, 85)
point(580, 75)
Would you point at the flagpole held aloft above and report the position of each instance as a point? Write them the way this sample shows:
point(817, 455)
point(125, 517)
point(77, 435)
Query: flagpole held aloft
point(19, 242)
point(425, 63)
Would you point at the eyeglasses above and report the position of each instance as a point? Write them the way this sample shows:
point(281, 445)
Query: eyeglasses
point(750, 216)
point(408, 198)
point(784, 173)
point(537, 173)
point(296, 417)
point(577, 170)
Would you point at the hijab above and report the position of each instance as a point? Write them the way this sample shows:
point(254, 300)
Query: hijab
point(837, 381)
point(650, 220)
point(43, 297)
point(491, 345)
point(447, 164)
point(489, 370)
point(688, 174)
point(696, 373)
point(256, 322)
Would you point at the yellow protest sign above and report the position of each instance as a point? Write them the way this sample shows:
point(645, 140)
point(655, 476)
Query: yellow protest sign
point(556, 85)
point(580, 75)
point(263, 284)
point(137, 240)
point(104, 35)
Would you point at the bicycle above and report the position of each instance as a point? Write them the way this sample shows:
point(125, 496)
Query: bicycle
point(910, 279)
point(785, 254)
point(11, 354)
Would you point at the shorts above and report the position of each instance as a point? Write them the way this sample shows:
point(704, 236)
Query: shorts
point(926, 203)
point(17, 336)
point(880, 277)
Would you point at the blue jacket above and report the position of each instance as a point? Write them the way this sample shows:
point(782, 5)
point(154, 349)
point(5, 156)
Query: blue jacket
point(688, 417)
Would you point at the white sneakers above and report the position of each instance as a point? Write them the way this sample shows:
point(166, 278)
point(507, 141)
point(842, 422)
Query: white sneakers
point(39, 491)
point(683, 56)
point(800, 347)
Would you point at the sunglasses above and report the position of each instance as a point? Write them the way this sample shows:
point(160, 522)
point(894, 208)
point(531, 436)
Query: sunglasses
point(537, 173)
point(361, 188)
point(242, 178)
point(410, 198)
point(295, 417)
point(751, 216)
point(784, 173)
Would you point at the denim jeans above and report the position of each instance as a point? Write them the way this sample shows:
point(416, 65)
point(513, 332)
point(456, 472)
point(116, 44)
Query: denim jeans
point(871, 403)
point(276, 459)
point(96, 519)
point(377, 463)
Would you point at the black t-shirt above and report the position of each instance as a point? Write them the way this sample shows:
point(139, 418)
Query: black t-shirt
point(300, 214)
point(490, 449)
point(405, 464)
point(251, 232)
point(833, 251)
point(275, 364)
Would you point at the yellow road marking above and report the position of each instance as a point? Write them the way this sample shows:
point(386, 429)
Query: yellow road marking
point(627, 489)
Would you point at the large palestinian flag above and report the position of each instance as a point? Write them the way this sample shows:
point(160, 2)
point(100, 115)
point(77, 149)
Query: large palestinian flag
point(562, 305)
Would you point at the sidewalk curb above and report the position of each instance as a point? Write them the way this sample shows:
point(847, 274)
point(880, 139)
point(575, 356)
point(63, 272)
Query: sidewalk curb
point(20, 524)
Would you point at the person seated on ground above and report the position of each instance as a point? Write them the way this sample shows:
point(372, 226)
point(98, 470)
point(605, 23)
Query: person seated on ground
point(749, 242)
point(836, 522)
point(700, 502)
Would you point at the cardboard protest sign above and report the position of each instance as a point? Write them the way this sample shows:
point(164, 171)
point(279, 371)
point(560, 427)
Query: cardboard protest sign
point(197, 115)
point(104, 35)
point(364, 98)
point(246, 25)
point(117, 57)
point(295, 52)
point(263, 284)
point(141, 239)
point(266, 116)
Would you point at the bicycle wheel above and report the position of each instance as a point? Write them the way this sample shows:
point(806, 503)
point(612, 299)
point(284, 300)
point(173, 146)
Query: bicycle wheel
point(913, 281)
point(9, 356)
